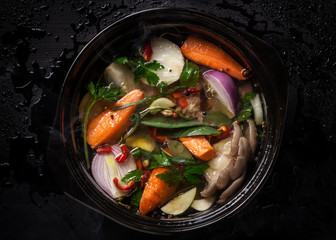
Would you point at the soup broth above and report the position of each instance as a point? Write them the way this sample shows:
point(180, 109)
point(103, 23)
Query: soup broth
point(171, 124)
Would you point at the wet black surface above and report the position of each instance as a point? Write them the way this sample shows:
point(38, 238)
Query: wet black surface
point(39, 40)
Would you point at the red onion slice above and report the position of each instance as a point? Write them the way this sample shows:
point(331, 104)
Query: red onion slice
point(105, 168)
point(225, 88)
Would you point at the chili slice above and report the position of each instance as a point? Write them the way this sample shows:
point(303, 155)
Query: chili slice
point(128, 187)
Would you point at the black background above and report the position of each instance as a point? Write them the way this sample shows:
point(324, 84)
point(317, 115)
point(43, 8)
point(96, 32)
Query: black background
point(39, 40)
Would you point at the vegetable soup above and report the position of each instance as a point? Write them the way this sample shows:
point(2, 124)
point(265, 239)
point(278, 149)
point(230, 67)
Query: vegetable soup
point(172, 128)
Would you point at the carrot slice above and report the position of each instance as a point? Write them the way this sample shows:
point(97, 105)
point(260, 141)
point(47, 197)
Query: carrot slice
point(109, 126)
point(156, 191)
point(199, 146)
point(206, 53)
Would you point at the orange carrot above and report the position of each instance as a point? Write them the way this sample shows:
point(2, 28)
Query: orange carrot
point(206, 53)
point(109, 126)
point(199, 146)
point(156, 191)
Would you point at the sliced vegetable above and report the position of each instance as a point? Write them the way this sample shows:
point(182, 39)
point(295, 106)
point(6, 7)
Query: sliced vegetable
point(109, 126)
point(225, 89)
point(156, 192)
point(161, 103)
point(180, 204)
point(203, 203)
point(208, 54)
point(257, 109)
point(105, 168)
point(169, 55)
point(177, 149)
point(199, 147)
point(141, 139)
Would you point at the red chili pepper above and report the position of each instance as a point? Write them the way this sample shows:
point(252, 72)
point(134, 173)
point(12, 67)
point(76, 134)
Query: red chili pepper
point(193, 90)
point(104, 149)
point(182, 102)
point(177, 95)
point(123, 155)
point(175, 115)
point(147, 51)
point(128, 187)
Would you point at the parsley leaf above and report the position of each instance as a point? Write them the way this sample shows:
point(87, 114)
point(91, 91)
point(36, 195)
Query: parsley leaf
point(190, 74)
point(121, 60)
point(171, 177)
point(134, 175)
point(98, 92)
point(192, 173)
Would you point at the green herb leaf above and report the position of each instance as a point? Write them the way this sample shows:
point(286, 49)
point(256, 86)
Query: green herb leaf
point(161, 121)
point(184, 161)
point(162, 86)
point(192, 131)
point(159, 160)
point(135, 199)
point(134, 175)
point(247, 109)
point(192, 173)
point(172, 178)
point(121, 60)
point(190, 74)
point(154, 65)
point(217, 119)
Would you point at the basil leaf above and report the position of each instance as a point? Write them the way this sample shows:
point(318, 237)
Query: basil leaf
point(135, 199)
point(189, 75)
point(192, 131)
point(134, 175)
point(161, 121)
point(218, 119)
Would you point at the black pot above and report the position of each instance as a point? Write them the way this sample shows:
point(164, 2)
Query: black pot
point(66, 158)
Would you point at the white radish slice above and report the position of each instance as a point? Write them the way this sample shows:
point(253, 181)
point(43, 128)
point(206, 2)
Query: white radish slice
point(203, 203)
point(257, 109)
point(170, 56)
point(180, 203)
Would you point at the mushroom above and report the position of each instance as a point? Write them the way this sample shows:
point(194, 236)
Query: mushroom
point(210, 189)
point(237, 133)
point(240, 163)
point(232, 188)
point(250, 133)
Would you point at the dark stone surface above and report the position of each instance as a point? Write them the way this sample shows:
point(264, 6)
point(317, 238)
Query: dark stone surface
point(39, 40)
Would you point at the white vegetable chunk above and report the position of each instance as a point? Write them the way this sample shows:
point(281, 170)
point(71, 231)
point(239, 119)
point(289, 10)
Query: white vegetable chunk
point(170, 56)
point(203, 203)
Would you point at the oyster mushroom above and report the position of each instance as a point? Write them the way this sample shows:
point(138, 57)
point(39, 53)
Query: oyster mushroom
point(250, 133)
point(232, 188)
point(243, 156)
point(237, 134)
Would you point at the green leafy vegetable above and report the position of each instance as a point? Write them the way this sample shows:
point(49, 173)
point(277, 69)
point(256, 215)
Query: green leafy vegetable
point(134, 175)
point(135, 199)
point(109, 93)
point(172, 178)
point(142, 69)
point(189, 75)
point(159, 160)
point(193, 173)
point(218, 119)
point(192, 131)
point(161, 121)
point(247, 109)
